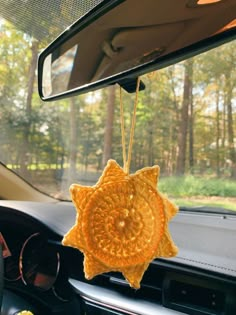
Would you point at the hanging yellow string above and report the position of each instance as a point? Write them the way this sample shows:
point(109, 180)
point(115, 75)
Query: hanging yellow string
point(122, 123)
point(132, 127)
point(127, 162)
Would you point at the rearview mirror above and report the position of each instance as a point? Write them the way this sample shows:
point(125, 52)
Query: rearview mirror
point(120, 40)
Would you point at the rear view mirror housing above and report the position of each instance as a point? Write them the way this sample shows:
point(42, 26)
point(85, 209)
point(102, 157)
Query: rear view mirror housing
point(120, 40)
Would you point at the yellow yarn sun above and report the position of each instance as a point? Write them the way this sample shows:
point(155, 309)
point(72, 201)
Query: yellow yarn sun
point(122, 221)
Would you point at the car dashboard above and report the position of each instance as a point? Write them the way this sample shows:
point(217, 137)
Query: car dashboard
point(43, 275)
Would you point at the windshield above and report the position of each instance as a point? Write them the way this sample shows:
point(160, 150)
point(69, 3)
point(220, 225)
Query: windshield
point(186, 123)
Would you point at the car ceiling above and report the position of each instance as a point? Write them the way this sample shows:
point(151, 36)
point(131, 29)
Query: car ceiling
point(44, 19)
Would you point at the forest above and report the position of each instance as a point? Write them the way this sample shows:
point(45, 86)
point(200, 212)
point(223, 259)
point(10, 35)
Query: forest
point(185, 122)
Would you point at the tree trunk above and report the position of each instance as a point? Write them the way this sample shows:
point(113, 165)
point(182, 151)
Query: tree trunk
point(232, 153)
point(223, 145)
point(150, 144)
point(107, 150)
point(25, 145)
point(73, 142)
point(191, 124)
point(217, 134)
point(183, 127)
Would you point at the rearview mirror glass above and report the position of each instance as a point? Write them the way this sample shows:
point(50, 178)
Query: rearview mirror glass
point(124, 39)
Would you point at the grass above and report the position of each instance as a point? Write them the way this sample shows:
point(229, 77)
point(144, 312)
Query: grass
point(192, 190)
point(220, 202)
point(184, 191)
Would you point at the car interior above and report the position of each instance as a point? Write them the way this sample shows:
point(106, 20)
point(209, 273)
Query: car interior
point(114, 43)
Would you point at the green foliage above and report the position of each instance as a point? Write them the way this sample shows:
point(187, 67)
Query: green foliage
point(156, 131)
point(189, 186)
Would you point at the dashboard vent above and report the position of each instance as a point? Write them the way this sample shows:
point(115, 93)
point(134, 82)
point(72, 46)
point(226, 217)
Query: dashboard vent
point(193, 293)
point(189, 297)
point(152, 293)
point(198, 294)
point(151, 284)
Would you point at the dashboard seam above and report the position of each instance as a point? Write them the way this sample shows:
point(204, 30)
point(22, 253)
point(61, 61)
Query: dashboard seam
point(206, 264)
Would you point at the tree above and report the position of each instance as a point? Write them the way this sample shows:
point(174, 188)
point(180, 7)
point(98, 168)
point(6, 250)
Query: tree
point(228, 100)
point(28, 110)
point(183, 127)
point(107, 151)
point(73, 141)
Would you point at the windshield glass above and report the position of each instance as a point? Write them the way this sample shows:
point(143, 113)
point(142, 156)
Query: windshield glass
point(186, 123)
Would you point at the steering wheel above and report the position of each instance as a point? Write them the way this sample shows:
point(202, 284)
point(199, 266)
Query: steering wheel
point(1, 277)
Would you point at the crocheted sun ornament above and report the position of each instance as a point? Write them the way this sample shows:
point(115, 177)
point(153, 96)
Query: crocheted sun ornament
point(121, 223)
